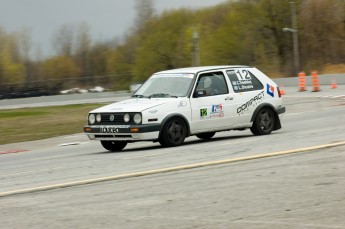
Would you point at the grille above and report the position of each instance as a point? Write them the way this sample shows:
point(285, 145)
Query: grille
point(118, 119)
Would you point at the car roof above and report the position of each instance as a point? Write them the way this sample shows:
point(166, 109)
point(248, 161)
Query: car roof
point(200, 69)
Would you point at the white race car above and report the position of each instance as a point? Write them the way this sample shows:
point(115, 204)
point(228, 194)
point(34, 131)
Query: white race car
point(174, 104)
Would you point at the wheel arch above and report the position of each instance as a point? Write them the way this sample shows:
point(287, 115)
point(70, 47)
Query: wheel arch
point(175, 115)
point(277, 124)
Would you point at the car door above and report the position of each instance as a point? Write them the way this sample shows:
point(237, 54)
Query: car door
point(212, 104)
point(248, 94)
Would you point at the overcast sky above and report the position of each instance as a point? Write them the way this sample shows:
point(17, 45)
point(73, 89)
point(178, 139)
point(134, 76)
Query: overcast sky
point(107, 18)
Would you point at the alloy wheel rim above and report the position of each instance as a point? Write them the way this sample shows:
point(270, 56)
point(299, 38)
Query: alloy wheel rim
point(265, 121)
point(175, 131)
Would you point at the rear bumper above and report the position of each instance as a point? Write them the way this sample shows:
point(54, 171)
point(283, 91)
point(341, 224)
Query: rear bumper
point(123, 133)
point(280, 110)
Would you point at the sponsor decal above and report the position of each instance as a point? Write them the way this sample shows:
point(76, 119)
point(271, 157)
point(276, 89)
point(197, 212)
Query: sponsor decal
point(270, 90)
point(216, 112)
point(253, 102)
point(242, 85)
point(186, 75)
point(203, 112)
point(217, 108)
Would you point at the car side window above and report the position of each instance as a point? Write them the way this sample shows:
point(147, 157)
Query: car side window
point(210, 84)
point(243, 80)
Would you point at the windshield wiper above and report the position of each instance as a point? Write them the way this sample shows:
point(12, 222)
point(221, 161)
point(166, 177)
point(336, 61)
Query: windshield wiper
point(162, 95)
point(140, 96)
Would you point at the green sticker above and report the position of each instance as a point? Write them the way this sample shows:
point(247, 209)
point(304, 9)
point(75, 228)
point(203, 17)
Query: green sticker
point(203, 112)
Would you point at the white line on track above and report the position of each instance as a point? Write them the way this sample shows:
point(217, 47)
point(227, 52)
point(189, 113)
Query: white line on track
point(311, 111)
point(333, 96)
point(170, 169)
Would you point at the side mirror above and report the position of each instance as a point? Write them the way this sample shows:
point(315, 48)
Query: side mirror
point(200, 93)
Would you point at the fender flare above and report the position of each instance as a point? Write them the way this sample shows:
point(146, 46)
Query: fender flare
point(277, 124)
point(174, 115)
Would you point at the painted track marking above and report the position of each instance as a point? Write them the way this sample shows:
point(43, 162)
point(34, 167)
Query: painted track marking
point(171, 169)
point(13, 151)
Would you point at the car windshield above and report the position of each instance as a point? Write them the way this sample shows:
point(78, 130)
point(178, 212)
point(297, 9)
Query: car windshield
point(165, 85)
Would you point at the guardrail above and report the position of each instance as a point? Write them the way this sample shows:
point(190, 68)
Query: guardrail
point(326, 79)
point(54, 87)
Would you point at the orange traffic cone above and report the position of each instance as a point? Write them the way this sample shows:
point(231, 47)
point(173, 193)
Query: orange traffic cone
point(281, 88)
point(333, 84)
point(301, 81)
point(315, 79)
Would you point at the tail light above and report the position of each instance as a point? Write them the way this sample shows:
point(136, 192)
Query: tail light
point(279, 93)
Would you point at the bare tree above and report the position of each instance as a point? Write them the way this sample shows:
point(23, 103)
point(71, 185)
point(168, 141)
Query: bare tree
point(322, 27)
point(82, 52)
point(25, 43)
point(63, 40)
point(144, 12)
point(2, 41)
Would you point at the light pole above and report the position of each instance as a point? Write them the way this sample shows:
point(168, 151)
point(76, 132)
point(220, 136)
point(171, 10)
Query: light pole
point(294, 32)
point(195, 54)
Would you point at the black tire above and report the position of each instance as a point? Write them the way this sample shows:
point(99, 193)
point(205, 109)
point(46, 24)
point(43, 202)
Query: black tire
point(173, 133)
point(114, 145)
point(206, 136)
point(264, 122)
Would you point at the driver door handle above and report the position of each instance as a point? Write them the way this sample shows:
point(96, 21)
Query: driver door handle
point(229, 98)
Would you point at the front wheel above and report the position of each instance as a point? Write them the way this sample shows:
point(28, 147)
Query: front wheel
point(264, 122)
point(173, 133)
point(114, 145)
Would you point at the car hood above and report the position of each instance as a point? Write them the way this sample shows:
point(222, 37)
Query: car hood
point(134, 105)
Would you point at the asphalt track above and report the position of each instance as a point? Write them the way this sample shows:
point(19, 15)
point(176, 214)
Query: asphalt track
point(293, 178)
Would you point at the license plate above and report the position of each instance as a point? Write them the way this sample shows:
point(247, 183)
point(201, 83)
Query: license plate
point(109, 129)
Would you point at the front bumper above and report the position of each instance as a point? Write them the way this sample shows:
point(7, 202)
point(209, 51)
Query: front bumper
point(123, 132)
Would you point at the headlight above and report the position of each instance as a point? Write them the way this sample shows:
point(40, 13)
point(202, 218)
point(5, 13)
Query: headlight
point(92, 119)
point(98, 118)
point(126, 118)
point(137, 118)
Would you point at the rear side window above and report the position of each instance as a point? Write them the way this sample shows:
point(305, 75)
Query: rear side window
point(243, 80)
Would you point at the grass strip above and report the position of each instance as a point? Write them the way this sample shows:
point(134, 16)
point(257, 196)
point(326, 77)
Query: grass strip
point(27, 124)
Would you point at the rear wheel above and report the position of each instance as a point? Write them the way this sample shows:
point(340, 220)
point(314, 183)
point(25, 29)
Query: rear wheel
point(173, 133)
point(264, 122)
point(114, 145)
point(206, 135)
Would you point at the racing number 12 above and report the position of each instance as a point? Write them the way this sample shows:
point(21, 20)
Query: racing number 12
point(245, 75)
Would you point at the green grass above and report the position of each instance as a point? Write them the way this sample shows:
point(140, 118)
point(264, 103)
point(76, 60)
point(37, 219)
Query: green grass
point(16, 114)
point(26, 124)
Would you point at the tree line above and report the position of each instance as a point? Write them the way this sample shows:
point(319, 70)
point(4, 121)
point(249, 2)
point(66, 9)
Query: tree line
point(243, 32)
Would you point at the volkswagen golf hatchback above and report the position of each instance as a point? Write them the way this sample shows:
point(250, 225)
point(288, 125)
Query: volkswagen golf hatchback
point(174, 104)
